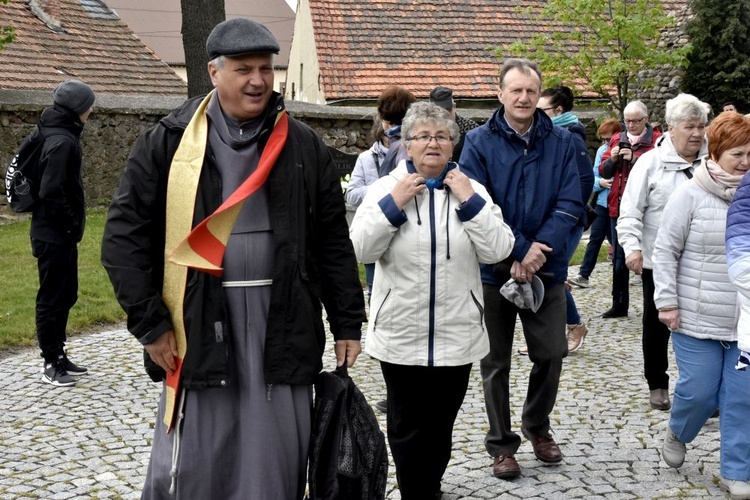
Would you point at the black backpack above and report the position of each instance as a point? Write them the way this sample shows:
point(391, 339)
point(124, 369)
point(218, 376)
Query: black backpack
point(348, 456)
point(24, 173)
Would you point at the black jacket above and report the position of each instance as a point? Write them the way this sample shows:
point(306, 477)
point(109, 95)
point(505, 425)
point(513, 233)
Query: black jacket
point(314, 256)
point(60, 214)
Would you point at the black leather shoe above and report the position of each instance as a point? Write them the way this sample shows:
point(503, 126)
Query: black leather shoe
point(615, 312)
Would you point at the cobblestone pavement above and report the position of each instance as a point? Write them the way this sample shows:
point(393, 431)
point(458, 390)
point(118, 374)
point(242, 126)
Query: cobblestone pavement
point(93, 440)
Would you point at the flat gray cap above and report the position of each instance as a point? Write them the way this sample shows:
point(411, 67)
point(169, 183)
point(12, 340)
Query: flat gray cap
point(240, 36)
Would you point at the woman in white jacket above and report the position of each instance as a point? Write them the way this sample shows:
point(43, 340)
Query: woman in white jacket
point(427, 226)
point(653, 180)
point(698, 304)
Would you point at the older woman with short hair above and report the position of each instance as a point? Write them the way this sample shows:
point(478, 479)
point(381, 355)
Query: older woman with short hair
point(698, 303)
point(427, 226)
point(653, 179)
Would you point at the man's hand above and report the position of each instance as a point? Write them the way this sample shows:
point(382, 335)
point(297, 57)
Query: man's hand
point(519, 273)
point(670, 318)
point(347, 350)
point(163, 351)
point(535, 258)
point(634, 261)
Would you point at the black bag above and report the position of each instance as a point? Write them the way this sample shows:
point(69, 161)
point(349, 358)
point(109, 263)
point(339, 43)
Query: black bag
point(348, 456)
point(23, 173)
point(590, 216)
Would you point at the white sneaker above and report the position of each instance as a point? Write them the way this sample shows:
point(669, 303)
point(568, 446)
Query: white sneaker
point(579, 281)
point(738, 490)
point(673, 450)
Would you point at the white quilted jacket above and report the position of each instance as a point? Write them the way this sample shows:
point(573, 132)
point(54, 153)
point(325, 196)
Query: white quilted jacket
point(690, 266)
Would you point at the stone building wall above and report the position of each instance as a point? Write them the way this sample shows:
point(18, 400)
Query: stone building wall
point(666, 81)
point(117, 121)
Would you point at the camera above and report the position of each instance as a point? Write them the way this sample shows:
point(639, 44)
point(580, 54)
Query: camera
point(624, 143)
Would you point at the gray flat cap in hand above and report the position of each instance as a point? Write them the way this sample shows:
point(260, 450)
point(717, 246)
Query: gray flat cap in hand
point(240, 36)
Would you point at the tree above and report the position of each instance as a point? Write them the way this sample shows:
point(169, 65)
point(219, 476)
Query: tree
point(719, 63)
point(198, 19)
point(7, 33)
point(598, 45)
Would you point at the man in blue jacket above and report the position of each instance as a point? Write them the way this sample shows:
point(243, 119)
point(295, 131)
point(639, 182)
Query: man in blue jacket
point(529, 168)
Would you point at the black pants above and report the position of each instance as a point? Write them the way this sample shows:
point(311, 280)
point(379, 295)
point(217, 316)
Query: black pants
point(620, 274)
point(58, 292)
point(545, 337)
point(655, 338)
point(422, 406)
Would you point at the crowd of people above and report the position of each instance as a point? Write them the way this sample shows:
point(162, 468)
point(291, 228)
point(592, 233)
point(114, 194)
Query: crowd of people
point(227, 237)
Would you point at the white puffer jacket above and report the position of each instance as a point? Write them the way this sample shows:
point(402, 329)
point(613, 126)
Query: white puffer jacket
point(654, 178)
point(690, 265)
point(427, 307)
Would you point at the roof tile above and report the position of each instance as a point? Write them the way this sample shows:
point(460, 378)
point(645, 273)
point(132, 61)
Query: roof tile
point(95, 46)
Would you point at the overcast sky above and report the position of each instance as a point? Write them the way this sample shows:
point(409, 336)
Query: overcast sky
point(292, 4)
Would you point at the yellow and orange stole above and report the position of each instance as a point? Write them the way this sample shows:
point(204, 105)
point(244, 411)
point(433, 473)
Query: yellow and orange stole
point(202, 247)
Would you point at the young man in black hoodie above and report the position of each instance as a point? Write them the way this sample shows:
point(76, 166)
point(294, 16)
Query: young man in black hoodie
point(57, 225)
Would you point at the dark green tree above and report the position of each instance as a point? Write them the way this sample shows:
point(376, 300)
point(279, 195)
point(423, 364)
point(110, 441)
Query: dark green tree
point(719, 63)
point(198, 19)
point(7, 34)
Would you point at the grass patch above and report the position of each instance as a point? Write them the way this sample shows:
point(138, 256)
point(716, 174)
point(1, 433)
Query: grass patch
point(96, 301)
point(581, 251)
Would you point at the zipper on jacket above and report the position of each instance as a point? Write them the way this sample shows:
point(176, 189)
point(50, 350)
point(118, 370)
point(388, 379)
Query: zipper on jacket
point(269, 387)
point(433, 269)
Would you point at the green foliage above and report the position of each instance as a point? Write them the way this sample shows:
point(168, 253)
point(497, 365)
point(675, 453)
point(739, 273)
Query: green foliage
point(7, 33)
point(719, 64)
point(96, 302)
point(598, 45)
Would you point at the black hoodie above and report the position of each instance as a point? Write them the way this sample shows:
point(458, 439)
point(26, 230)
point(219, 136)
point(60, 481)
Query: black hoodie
point(60, 214)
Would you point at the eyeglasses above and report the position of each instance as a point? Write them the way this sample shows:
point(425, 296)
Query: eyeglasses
point(635, 122)
point(547, 109)
point(426, 139)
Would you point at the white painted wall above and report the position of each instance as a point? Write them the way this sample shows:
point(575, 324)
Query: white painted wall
point(303, 70)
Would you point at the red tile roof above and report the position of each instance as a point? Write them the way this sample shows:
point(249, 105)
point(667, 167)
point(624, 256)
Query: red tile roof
point(94, 46)
point(363, 45)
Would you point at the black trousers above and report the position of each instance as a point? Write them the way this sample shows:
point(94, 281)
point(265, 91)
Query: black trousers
point(620, 274)
point(545, 337)
point(422, 406)
point(58, 292)
point(655, 338)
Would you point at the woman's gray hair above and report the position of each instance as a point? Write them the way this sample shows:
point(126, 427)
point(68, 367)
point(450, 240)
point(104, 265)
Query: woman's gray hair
point(686, 107)
point(427, 113)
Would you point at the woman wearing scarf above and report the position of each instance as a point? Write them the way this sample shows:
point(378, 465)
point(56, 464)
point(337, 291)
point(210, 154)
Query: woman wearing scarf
point(557, 103)
point(699, 305)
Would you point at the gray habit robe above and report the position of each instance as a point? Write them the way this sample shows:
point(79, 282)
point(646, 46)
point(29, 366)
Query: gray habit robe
point(248, 441)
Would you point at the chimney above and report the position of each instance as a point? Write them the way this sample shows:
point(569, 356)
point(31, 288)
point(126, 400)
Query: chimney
point(48, 11)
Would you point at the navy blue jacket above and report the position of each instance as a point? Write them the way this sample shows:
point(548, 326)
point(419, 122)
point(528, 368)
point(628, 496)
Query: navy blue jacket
point(537, 187)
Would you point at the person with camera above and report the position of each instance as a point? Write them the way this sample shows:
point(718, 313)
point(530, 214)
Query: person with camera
point(624, 150)
point(652, 181)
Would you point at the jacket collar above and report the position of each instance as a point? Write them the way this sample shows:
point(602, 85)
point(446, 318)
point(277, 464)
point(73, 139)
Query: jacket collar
point(541, 127)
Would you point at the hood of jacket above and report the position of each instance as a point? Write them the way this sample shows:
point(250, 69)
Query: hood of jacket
point(670, 159)
point(57, 117)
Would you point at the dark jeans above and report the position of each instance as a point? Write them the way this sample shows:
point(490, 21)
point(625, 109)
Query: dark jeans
point(422, 406)
point(369, 275)
point(572, 317)
point(600, 229)
point(655, 338)
point(58, 292)
point(620, 273)
point(547, 343)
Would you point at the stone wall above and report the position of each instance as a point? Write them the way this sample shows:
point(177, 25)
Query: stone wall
point(656, 86)
point(118, 120)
